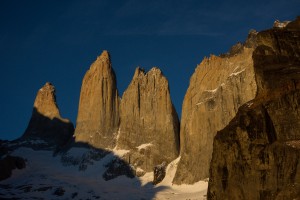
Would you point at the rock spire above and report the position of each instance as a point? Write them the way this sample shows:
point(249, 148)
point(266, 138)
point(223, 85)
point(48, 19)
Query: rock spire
point(46, 122)
point(149, 125)
point(98, 113)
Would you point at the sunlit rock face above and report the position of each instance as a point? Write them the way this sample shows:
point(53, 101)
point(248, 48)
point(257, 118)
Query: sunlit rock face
point(218, 87)
point(46, 122)
point(144, 122)
point(257, 156)
point(149, 125)
point(98, 112)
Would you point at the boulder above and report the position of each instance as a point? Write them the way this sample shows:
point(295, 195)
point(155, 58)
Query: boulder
point(8, 164)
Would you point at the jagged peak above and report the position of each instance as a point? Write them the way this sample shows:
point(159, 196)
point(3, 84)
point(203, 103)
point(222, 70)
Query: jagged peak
point(103, 61)
point(155, 70)
point(104, 55)
point(139, 71)
point(45, 101)
point(46, 122)
point(48, 87)
point(279, 24)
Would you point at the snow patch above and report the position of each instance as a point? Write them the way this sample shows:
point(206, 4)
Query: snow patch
point(249, 104)
point(197, 104)
point(237, 73)
point(196, 191)
point(120, 152)
point(278, 24)
point(45, 176)
point(144, 146)
point(28, 142)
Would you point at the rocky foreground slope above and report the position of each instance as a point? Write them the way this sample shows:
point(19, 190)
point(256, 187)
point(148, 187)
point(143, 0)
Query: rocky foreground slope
point(257, 156)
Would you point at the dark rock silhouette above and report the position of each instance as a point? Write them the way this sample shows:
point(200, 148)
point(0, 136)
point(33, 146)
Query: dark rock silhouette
point(159, 172)
point(118, 167)
point(8, 164)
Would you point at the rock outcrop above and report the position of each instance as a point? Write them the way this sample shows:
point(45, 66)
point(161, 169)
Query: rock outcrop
point(257, 156)
point(46, 122)
point(159, 173)
point(218, 87)
point(98, 112)
point(149, 125)
point(8, 164)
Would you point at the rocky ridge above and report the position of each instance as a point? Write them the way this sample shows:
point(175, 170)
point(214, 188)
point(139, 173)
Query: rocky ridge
point(257, 155)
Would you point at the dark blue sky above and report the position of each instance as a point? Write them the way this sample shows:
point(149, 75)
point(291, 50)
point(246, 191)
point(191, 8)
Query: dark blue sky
point(57, 41)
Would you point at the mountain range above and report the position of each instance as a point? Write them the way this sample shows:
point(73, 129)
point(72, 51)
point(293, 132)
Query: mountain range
point(238, 136)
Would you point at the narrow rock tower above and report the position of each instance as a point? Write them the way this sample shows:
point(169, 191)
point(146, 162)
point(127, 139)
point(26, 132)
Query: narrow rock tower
point(98, 112)
point(46, 122)
point(149, 125)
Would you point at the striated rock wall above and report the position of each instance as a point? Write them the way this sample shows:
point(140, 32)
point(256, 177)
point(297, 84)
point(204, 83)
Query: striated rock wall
point(257, 156)
point(218, 87)
point(98, 112)
point(46, 122)
point(149, 125)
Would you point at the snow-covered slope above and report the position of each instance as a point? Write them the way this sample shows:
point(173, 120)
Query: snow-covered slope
point(78, 174)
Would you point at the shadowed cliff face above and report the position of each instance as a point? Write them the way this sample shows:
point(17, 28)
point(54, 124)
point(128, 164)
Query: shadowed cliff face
point(218, 87)
point(149, 125)
point(257, 156)
point(277, 59)
point(98, 112)
point(46, 122)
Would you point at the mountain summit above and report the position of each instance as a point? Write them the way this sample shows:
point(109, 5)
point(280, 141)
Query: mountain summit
point(98, 111)
point(149, 123)
point(46, 122)
point(239, 128)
